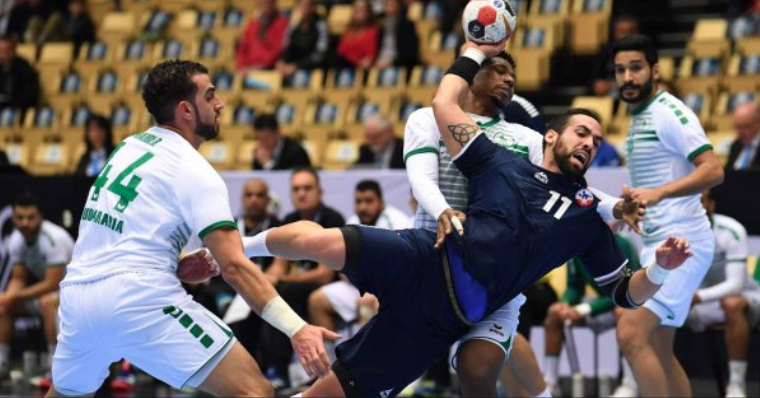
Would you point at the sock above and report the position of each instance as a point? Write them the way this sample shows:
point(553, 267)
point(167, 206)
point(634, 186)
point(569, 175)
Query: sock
point(628, 378)
point(546, 394)
point(5, 355)
point(257, 246)
point(299, 395)
point(552, 370)
point(738, 371)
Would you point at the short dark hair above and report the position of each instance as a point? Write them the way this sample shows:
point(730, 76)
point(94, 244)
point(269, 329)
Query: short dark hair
point(560, 122)
point(370, 185)
point(306, 169)
point(503, 55)
point(167, 84)
point(266, 121)
point(26, 199)
point(640, 43)
point(105, 124)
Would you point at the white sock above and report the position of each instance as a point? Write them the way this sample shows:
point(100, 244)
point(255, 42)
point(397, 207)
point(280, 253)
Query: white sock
point(5, 355)
point(738, 371)
point(299, 395)
point(546, 394)
point(628, 378)
point(552, 370)
point(256, 246)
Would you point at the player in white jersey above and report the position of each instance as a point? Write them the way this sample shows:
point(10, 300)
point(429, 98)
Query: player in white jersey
point(39, 251)
point(341, 298)
point(122, 298)
point(442, 191)
point(728, 295)
point(671, 162)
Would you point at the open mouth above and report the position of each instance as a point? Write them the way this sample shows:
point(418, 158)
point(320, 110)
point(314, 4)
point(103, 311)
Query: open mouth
point(581, 157)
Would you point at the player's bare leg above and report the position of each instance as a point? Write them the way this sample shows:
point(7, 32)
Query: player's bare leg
point(237, 375)
point(737, 340)
point(327, 387)
point(479, 364)
point(306, 240)
point(675, 376)
point(321, 312)
point(522, 377)
point(634, 334)
point(49, 312)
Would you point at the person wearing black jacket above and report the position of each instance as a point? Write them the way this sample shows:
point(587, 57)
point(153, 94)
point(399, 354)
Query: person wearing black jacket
point(398, 43)
point(307, 41)
point(381, 148)
point(19, 82)
point(275, 152)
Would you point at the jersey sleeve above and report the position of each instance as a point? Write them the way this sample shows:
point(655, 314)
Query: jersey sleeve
point(203, 199)
point(15, 248)
point(421, 134)
point(535, 146)
point(603, 259)
point(353, 220)
point(682, 133)
point(477, 156)
point(60, 252)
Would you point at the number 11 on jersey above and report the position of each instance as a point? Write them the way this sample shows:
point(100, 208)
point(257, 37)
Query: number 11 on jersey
point(566, 202)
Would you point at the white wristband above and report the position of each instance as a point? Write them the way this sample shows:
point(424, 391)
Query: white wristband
point(279, 314)
point(475, 55)
point(656, 274)
point(584, 309)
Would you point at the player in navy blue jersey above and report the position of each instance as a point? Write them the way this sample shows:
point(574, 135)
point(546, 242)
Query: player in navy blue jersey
point(522, 222)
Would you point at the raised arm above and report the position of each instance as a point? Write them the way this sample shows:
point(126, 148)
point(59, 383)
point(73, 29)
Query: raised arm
point(456, 127)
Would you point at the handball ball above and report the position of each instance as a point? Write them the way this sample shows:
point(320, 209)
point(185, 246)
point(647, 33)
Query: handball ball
point(489, 21)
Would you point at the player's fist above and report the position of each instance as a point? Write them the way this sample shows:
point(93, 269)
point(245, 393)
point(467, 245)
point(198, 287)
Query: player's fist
point(673, 253)
point(198, 266)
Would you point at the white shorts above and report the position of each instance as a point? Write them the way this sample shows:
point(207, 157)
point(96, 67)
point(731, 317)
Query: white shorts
point(704, 315)
point(344, 298)
point(144, 317)
point(672, 303)
point(500, 328)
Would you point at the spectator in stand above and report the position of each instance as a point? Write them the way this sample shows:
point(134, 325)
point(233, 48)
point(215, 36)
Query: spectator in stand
point(451, 14)
point(745, 151)
point(4, 160)
point(748, 23)
point(358, 45)
point(275, 152)
point(607, 156)
point(79, 26)
point(5, 11)
point(381, 148)
point(622, 27)
point(99, 141)
point(37, 21)
point(19, 82)
point(262, 42)
point(307, 42)
point(399, 45)
point(296, 287)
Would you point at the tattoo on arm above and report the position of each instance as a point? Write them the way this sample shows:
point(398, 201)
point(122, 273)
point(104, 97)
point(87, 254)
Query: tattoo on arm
point(463, 133)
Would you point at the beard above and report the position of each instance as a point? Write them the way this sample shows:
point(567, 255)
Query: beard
point(206, 131)
point(644, 91)
point(564, 162)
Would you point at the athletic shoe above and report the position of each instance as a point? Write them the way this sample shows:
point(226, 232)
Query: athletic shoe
point(125, 378)
point(625, 391)
point(735, 391)
point(42, 382)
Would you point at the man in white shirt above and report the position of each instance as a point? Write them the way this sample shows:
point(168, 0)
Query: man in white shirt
point(39, 251)
point(121, 297)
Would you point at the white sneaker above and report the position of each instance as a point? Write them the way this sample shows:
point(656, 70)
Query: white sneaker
point(735, 391)
point(625, 391)
point(555, 389)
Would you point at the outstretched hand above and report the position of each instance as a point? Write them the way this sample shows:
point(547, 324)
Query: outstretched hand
point(309, 345)
point(449, 221)
point(630, 210)
point(673, 253)
point(490, 50)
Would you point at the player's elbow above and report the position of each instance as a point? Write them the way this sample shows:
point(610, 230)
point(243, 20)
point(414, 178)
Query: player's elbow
point(715, 174)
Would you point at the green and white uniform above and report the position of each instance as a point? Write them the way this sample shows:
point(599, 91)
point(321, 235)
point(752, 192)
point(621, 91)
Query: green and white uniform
point(422, 137)
point(121, 297)
point(665, 136)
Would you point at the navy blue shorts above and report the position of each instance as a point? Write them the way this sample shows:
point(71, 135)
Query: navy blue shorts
point(416, 324)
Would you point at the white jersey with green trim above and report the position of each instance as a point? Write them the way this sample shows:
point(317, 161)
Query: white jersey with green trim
point(730, 247)
point(663, 139)
point(422, 136)
point(51, 248)
point(155, 191)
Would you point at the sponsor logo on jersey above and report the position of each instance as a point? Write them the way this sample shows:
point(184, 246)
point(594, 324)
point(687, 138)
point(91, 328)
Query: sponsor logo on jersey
point(541, 176)
point(584, 198)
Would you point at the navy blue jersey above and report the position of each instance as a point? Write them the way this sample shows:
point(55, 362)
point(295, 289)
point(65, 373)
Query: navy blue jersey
point(522, 222)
